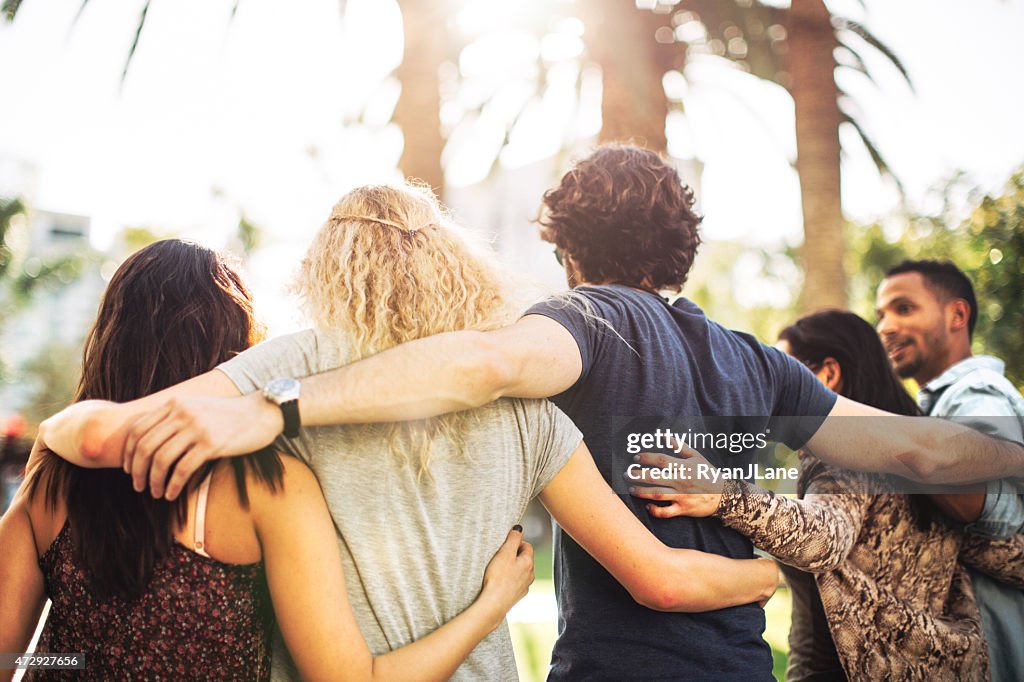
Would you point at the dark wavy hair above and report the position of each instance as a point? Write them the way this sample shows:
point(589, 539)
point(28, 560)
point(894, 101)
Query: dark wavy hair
point(867, 376)
point(172, 311)
point(623, 215)
point(944, 279)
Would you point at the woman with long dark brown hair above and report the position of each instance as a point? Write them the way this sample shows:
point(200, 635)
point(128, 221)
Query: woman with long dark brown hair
point(147, 588)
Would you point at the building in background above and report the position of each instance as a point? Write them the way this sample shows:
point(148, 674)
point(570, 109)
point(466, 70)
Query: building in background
point(51, 300)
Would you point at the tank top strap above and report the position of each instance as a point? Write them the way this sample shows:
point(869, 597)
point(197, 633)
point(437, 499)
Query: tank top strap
point(199, 531)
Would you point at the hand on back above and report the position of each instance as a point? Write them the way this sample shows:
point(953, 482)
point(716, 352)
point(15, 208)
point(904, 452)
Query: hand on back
point(163, 447)
point(683, 482)
point(509, 574)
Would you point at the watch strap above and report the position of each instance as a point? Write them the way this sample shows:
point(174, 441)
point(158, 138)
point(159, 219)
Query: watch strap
point(290, 412)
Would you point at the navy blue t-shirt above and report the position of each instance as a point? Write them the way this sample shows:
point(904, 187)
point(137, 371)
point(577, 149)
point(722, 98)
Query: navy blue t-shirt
point(677, 362)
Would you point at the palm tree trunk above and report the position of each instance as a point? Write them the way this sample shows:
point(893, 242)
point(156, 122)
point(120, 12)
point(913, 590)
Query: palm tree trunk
point(621, 39)
point(417, 113)
point(812, 67)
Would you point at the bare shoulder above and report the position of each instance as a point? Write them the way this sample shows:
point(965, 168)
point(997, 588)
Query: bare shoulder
point(47, 519)
point(297, 483)
point(16, 520)
point(235, 526)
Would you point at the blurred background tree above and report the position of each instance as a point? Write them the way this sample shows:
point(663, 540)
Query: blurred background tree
point(427, 45)
point(9, 210)
point(983, 234)
point(53, 373)
point(800, 48)
point(634, 50)
point(23, 276)
point(635, 44)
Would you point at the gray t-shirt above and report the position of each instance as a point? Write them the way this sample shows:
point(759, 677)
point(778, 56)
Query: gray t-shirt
point(415, 547)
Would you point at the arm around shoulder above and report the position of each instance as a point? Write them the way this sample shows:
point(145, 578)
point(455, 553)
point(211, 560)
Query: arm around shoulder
point(656, 576)
point(91, 433)
point(21, 581)
point(534, 358)
point(925, 449)
point(82, 433)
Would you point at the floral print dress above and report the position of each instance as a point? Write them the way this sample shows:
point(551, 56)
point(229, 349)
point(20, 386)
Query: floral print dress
point(200, 619)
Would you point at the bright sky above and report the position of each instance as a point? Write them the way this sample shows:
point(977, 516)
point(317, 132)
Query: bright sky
point(221, 115)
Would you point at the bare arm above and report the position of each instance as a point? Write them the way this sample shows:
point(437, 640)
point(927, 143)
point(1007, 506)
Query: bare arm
point(924, 449)
point(991, 412)
point(91, 433)
point(657, 576)
point(21, 581)
point(535, 357)
point(307, 586)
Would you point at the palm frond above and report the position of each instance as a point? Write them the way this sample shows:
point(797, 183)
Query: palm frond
point(135, 41)
point(10, 9)
point(856, 62)
point(78, 14)
point(876, 156)
point(867, 36)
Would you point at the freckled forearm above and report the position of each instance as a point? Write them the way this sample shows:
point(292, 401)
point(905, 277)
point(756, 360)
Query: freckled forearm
point(717, 582)
point(423, 378)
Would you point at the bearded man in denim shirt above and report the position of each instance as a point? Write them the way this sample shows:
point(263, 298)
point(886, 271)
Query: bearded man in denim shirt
point(927, 311)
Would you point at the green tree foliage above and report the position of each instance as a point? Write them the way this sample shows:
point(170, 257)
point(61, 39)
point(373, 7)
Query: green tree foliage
point(53, 375)
point(24, 277)
point(136, 237)
point(9, 210)
point(249, 234)
point(21, 274)
point(986, 242)
point(746, 288)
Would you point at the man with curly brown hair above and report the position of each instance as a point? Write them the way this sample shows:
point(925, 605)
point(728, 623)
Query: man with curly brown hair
point(624, 229)
point(623, 216)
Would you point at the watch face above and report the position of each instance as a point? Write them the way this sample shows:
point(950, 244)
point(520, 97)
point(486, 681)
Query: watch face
point(282, 390)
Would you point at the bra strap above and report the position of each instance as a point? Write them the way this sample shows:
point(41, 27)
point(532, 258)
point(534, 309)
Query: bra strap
point(199, 532)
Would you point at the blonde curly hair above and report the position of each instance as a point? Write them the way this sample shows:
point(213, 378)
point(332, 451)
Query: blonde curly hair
point(390, 266)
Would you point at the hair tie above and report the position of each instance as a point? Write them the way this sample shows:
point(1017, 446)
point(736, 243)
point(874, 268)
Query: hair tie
point(382, 221)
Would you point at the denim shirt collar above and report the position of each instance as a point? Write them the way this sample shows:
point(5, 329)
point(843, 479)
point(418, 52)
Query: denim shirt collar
point(955, 373)
point(961, 369)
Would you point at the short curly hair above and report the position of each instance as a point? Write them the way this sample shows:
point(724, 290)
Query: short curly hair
point(623, 215)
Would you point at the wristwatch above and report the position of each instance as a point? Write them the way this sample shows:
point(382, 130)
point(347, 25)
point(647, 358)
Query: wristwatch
point(285, 394)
